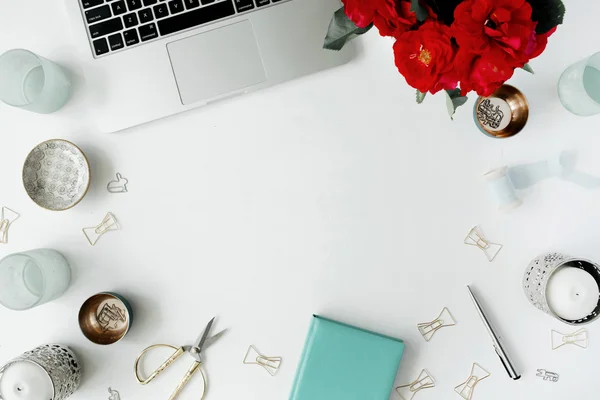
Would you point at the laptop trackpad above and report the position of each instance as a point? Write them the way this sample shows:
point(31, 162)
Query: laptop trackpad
point(217, 62)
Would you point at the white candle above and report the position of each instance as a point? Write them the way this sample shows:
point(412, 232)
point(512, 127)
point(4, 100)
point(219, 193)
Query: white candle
point(25, 381)
point(572, 293)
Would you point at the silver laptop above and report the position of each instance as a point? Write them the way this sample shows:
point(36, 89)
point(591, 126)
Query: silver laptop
point(148, 59)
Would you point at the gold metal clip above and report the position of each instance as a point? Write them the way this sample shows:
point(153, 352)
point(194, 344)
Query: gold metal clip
point(578, 338)
point(109, 223)
point(254, 357)
point(7, 217)
point(476, 238)
point(423, 381)
point(428, 329)
point(465, 389)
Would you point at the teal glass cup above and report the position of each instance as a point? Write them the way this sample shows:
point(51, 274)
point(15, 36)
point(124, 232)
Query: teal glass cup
point(32, 278)
point(32, 83)
point(579, 87)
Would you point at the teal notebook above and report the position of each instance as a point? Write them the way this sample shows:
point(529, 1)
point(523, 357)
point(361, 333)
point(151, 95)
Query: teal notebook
point(341, 362)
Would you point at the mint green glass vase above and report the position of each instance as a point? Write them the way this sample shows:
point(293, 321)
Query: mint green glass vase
point(579, 87)
point(32, 278)
point(32, 83)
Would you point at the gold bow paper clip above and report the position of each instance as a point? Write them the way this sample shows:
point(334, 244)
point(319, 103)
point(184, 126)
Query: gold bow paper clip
point(428, 329)
point(423, 381)
point(476, 238)
point(547, 375)
point(7, 217)
point(579, 338)
point(465, 390)
point(109, 223)
point(254, 357)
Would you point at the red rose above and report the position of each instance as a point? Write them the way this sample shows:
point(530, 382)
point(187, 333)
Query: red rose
point(391, 17)
point(361, 12)
point(540, 43)
point(483, 73)
point(425, 57)
point(483, 25)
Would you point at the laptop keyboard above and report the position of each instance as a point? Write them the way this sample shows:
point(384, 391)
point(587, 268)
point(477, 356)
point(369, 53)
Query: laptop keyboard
point(114, 25)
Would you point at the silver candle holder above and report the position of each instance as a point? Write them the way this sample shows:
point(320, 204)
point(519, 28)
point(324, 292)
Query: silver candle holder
point(537, 276)
point(59, 362)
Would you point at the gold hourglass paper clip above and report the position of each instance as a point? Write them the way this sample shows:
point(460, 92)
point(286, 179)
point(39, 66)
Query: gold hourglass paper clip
point(423, 381)
point(7, 217)
point(578, 338)
point(254, 357)
point(109, 223)
point(465, 390)
point(428, 329)
point(476, 238)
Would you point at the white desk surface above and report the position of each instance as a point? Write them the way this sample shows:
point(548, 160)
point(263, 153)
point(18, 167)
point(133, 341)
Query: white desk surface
point(334, 194)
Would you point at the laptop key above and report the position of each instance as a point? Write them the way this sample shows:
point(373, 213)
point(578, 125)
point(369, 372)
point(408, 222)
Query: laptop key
point(260, 3)
point(145, 15)
point(91, 3)
point(148, 32)
point(131, 37)
point(134, 4)
point(176, 6)
point(243, 5)
point(205, 2)
point(116, 42)
point(196, 17)
point(130, 20)
point(119, 8)
point(98, 14)
point(150, 2)
point(161, 10)
point(100, 46)
point(106, 27)
point(189, 4)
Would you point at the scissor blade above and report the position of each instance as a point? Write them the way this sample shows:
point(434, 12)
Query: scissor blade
point(210, 341)
point(199, 344)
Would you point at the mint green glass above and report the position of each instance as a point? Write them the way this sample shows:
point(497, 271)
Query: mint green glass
point(32, 278)
point(579, 87)
point(32, 83)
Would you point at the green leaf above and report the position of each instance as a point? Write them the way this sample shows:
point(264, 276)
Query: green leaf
point(547, 13)
point(528, 68)
point(420, 96)
point(418, 9)
point(454, 100)
point(341, 31)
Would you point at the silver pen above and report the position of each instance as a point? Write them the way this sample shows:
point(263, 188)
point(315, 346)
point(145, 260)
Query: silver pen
point(496, 340)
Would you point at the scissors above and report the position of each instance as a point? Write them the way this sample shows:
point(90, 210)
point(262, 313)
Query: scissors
point(195, 351)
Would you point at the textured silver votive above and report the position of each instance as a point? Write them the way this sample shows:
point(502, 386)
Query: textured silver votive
point(61, 365)
point(538, 274)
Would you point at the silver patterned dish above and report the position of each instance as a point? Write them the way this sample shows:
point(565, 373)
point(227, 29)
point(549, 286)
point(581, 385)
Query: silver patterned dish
point(56, 175)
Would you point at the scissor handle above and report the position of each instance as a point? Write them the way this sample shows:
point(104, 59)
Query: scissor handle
point(144, 381)
point(193, 369)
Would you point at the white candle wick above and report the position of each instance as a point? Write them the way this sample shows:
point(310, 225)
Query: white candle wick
point(25, 381)
point(572, 293)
